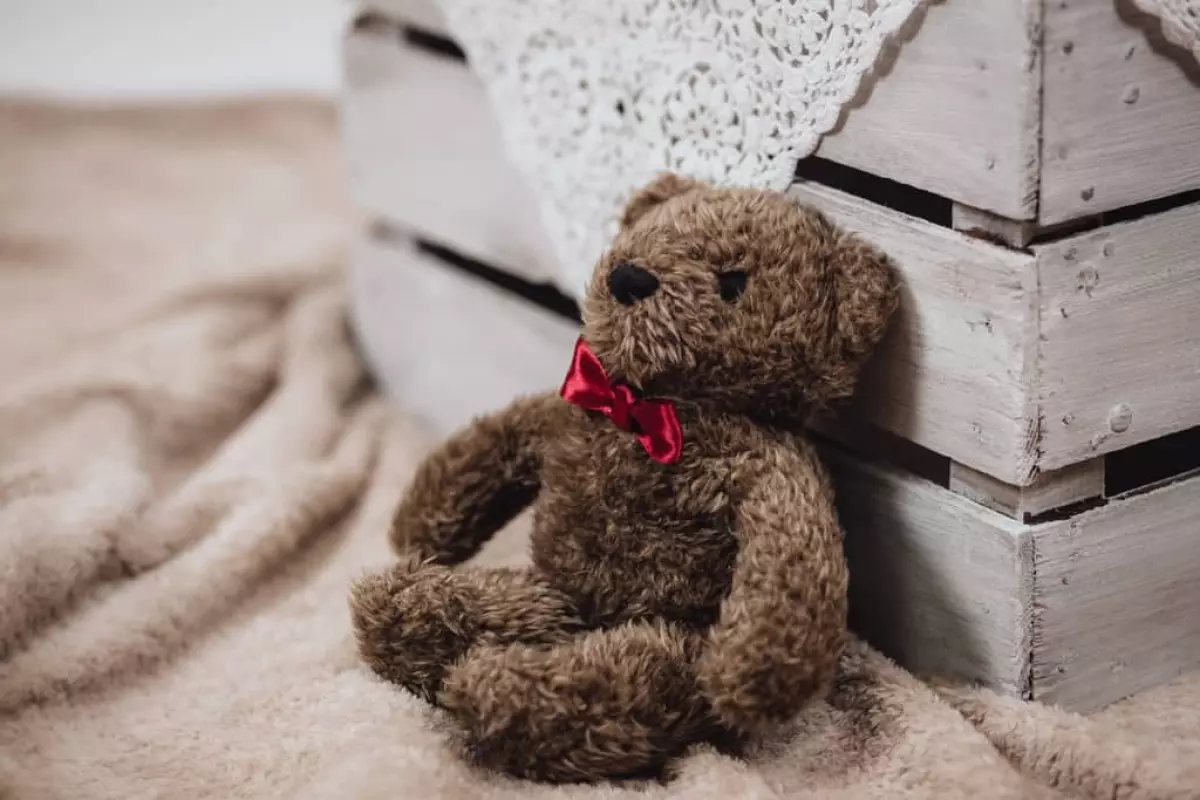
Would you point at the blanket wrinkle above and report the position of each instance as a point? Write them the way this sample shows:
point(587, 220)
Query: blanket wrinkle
point(57, 533)
point(315, 374)
point(194, 468)
point(1079, 755)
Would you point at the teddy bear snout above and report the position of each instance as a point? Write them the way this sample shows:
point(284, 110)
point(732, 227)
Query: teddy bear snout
point(629, 282)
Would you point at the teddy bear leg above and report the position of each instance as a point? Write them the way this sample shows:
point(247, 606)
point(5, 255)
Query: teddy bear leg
point(605, 704)
point(416, 618)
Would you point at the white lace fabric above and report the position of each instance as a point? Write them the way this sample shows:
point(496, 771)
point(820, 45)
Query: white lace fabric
point(595, 98)
point(1180, 21)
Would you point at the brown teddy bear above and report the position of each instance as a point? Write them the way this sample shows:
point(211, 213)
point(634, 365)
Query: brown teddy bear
point(688, 580)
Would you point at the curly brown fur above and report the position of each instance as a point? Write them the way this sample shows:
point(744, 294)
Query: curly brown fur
point(667, 603)
point(479, 480)
point(782, 626)
point(816, 301)
point(416, 619)
point(610, 702)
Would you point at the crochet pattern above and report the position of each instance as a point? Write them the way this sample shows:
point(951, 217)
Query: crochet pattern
point(596, 99)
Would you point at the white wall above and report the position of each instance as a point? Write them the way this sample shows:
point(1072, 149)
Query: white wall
point(145, 49)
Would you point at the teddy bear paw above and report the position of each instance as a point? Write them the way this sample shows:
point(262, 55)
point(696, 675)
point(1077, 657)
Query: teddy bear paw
point(412, 621)
point(605, 704)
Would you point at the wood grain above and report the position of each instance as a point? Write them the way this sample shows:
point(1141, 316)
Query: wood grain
point(1118, 608)
point(956, 111)
point(447, 346)
point(1049, 490)
point(940, 584)
point(953, 373)
point(973, 138)
point(1121, 119)
point(1119, 361)
point(1012, 232)
point(425, 152)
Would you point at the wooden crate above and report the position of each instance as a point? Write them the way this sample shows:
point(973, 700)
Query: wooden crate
point(447, 345)
point(1017, 456)
point(393, 123)
point(1035, 110)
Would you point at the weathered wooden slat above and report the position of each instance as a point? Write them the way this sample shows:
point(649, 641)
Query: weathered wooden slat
point(1118, 606)
point(424, 151)
point(1121, 119)
point(447, 346)
point(956, 110)
point(1049, 490)
point(1119, 356)
point(953, 373)
point(1011, 232)
point(939, 583)
point(953, 111)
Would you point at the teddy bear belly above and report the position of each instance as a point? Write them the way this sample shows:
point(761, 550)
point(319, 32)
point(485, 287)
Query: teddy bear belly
point(638, 573)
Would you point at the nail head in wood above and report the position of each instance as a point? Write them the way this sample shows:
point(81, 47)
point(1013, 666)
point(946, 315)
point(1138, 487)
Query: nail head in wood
point(1120, 418)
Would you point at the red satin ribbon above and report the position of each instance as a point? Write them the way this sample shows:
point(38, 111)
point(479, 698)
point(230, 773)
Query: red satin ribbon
point(654, 421)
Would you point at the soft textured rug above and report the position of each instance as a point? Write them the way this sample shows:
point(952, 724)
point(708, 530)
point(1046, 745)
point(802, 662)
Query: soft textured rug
point(193, 468)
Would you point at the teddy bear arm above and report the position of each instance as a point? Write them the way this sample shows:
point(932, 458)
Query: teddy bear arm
point(782, 627)
point(476, 481)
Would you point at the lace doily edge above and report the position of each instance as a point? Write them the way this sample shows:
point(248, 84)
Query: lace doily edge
point(1175, 34)
point(780, 179)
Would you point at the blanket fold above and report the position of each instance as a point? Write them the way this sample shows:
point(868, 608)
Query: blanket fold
point(194, 467)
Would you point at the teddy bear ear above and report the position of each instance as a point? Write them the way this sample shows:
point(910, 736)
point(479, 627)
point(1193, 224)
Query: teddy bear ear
point(657, 192)
point(868, 293)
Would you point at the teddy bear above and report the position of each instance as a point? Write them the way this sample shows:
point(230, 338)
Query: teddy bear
point(688, 582)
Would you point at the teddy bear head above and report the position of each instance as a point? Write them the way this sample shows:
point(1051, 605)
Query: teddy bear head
point(743, 300)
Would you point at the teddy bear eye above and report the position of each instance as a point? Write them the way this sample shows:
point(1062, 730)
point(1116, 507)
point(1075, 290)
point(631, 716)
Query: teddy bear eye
point(731, 284)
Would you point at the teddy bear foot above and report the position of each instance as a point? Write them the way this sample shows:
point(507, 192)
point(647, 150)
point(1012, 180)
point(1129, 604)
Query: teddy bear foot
point(607, 704)
point(412, 620)
point(416, 618)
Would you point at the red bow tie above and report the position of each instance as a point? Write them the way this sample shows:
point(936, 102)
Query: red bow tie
point(588, 386)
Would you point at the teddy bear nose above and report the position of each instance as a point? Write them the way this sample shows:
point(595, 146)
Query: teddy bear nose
point(629, 282)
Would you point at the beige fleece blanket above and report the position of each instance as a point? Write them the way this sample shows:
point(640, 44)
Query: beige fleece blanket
point(193, 468)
